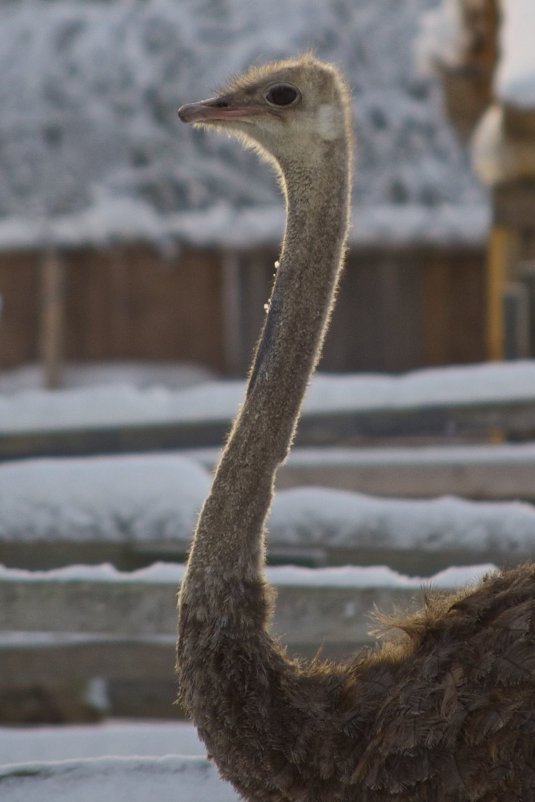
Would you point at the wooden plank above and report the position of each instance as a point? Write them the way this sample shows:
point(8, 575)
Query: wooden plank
point(27, 663)
point(52, 317)
point(412, 475)
point(122, 636)
point(82, 617)
point(513, 203)
point(355, 338)
point(20, 298)
point(496, 277)
point(132, 303)
point(515, 420)
point(121, 326)
point(436, 303)
point(516, 321)
point(256, 280)
point(528, 279)
point(232, 303)
point(467, 313)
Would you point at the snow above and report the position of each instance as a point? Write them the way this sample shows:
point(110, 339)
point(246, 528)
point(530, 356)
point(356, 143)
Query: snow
point(122, 404)
point(118, 499)
point(157, 573)
point(106, 739)
point(441, 37)
point(333, 518)
point(174, 375)
point(121, 779)
point(154, 498)
point(373, 576)
point(91, 150)
point(469, 384)
point(350, 576)
point(221, 225)
point(515, 79)
point(150, 498)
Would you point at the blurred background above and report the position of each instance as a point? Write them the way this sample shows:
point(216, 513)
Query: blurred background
point(136, 256)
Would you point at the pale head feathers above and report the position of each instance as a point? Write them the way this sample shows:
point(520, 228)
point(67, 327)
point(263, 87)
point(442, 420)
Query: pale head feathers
point(319, 114)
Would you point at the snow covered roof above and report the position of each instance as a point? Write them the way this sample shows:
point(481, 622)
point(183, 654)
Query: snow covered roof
point(91, 150)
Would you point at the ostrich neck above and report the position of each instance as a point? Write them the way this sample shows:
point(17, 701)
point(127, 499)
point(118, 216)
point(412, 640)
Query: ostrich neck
point(229, 536)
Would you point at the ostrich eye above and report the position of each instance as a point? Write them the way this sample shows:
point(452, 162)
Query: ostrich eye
point(282, 95)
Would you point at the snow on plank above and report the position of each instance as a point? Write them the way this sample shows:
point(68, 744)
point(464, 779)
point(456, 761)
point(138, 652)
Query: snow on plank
point(132, 510)
point(474, 400)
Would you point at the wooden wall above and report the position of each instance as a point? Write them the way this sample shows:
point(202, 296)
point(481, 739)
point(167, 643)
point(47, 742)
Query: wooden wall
point(127, 303)
point(19, 315)
point(511, 300)
point(132, 304)
point(396, 310)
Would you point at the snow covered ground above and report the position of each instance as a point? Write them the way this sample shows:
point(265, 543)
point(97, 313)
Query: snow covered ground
point(116, 760)
point(107, 739)
point(122, 404)
point(121, 779)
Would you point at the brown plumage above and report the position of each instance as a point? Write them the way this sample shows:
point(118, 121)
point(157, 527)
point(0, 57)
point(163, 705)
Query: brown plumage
point(445, 713)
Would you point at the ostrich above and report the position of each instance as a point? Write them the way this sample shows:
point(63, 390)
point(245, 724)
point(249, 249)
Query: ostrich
point(446, 712)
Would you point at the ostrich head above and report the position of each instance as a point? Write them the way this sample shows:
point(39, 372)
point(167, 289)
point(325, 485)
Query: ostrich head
point(288, 110)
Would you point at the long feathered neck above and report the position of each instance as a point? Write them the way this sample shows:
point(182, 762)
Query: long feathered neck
point(229, 538)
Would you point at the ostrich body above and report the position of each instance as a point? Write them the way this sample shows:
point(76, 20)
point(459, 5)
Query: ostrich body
point(445, 713)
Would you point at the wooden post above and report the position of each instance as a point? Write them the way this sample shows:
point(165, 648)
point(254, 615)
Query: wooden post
point(496, 278)
point(120, 320)
point(516, 321)
point(528, 278)
point(52, 317)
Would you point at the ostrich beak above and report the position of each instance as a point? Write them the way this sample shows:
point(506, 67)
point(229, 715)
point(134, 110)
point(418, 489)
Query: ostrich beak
point(217, 109)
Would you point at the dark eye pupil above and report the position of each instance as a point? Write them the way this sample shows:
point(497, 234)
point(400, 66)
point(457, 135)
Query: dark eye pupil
point(281, 95)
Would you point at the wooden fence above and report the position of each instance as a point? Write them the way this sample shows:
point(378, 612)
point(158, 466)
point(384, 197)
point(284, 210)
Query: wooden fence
point(61, 640)
point(441, 422)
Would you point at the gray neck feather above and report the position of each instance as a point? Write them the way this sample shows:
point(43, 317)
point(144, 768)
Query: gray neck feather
point(229, 536)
